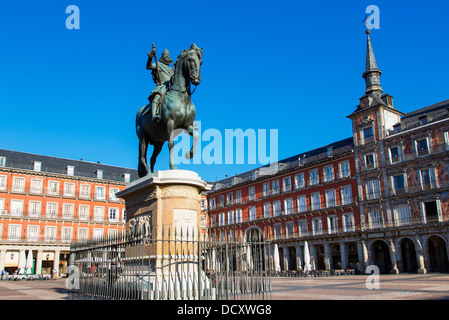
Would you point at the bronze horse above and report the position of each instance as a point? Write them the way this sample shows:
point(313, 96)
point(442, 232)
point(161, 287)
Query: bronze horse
point(177, 112)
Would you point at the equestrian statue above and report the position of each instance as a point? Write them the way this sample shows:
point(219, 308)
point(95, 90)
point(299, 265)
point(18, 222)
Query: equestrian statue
point(170, 109)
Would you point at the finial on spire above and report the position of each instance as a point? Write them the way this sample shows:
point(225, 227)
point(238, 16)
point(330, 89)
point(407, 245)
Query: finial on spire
point(367, 31)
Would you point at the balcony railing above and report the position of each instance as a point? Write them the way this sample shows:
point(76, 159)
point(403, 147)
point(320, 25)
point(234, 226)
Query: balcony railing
point(52, 215)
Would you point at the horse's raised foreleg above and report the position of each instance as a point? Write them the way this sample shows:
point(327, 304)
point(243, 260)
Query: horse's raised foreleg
point(171, 143)
point(193, 131)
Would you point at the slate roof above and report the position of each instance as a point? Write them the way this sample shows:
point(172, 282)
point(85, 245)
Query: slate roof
point(86, 169)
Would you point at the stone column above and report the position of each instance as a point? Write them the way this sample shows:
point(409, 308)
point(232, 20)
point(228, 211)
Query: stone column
point(394, 260)
point(286, 259)
point(38, 268)
point(313, 256)
point(363, 255)
point(327, 257)
point(56, 264)
point(299, 254)
point(344, 255)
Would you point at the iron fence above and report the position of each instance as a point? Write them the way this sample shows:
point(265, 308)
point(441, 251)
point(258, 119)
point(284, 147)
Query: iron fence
point(175, 265)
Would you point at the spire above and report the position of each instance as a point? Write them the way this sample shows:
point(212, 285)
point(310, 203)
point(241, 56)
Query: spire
point(372, 73)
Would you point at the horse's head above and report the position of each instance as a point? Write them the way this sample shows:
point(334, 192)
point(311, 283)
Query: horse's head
point(192, 60)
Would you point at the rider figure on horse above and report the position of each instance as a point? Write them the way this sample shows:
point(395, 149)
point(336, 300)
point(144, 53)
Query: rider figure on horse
point(161, 72)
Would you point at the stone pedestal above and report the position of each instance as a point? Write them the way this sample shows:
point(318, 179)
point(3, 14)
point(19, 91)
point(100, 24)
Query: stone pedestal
point(164, 211)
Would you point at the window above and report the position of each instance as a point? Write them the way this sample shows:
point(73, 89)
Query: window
point(50, 234)
point(302, 228)
point(423, 120)
point(238, 215)
point(446, 139)
point(70, 170)
point(52, 210)
point(330, 198)
point(230, 199)
point(33, 233)
point(395, 154)
point(398, 184)
point(277, 230)
point(203, 204)
point(343, 169)
point(221, 201)
point(127, 177)
point(316, 226)
point(18, 184)
point(288, 206)
point(286, 184)
point(332, 224)
point(66, 233)
point(2, 182)
point(34, 209)
point(276, 208)
point(67, 212)
point(315, 200)
point(289, 229)
point(123, 219)
point(370, 161)
point(113, 214)
point(100, 193)
point(431, 211)
point(213, 220)
point(36, 186)
point(53, 188)
point(112, 196)
point(348, 222)
point(375, 219)
point(367, 134)
point(2, 161)
point(299, 180)
point(212, 203)
point(301, 202)
point(422, 147)
point(99, 174)
point(14, 232)
point(252, 213)
point(221, 219)
point(84, 191)
point(402, 215)
point(37, 166)
point(266, 189)
point(98, 213)
point(231, 217)
point(346, 195)
point(69, 189)
point(83, 234)
point(98, 234)
point(83, 212)
point(313, 177)
point(238, 196)
point(427, 179)
point(251, 193)
point(275, 186)
point(372, 189)
point(16, 208)
point(328, 173)
point(267, 210)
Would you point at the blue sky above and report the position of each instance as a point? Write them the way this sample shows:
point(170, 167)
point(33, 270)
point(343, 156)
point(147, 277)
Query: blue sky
point(294, 66)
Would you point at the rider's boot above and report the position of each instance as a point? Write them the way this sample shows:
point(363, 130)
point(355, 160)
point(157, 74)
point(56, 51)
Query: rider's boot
point(155, 108)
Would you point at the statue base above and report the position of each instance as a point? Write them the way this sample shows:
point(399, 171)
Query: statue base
point(163, 214)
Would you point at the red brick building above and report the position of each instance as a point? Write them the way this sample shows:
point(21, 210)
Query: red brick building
point(48, 202)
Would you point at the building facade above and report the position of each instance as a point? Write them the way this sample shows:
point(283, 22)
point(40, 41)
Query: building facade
point(379, 198)
point(47, 202)
point(309, 197)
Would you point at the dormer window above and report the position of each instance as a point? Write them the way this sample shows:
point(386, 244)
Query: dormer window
point(99, 174)
point(37, 166)
point(397, 128)
point(70, 170)
point(126, 176)
point(423, 120)
point(2, 161)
